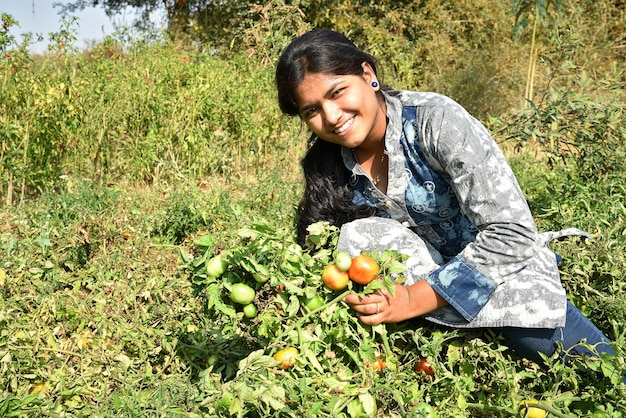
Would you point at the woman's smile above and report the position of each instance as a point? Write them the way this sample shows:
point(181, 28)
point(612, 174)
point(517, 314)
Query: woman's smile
point(345, 126)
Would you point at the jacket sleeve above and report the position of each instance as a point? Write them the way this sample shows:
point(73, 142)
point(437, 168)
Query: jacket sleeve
point(459, 147)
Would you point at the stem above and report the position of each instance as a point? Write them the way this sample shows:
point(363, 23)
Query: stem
point(24, 162)
point(531, 63)
point(55, 350)
point(299, 322)
point(385, 338)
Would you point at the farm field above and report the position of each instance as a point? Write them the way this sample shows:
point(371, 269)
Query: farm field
point(142, 183)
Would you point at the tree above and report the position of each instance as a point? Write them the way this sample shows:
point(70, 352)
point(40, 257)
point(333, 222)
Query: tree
point(177, 12)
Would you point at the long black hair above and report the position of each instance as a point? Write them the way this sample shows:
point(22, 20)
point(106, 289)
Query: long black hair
point(327, 195)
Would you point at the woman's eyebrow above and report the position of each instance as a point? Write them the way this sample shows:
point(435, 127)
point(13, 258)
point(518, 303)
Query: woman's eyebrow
point(326, 94)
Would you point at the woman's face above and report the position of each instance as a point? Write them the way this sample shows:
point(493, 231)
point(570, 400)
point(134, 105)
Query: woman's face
point(343, 109)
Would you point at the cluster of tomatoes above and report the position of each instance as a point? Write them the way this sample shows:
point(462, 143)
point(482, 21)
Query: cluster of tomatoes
point(240, 293)
point(361, 269)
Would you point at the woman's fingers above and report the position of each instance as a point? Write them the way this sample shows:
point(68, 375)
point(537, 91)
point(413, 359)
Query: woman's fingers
point(372, 304)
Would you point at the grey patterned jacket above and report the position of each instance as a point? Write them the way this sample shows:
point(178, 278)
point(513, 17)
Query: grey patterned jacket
point(454, 206)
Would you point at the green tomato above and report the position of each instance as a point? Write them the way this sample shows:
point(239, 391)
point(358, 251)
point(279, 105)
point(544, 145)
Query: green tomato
point(213, 360)
point(343, 261)
point(294, 253)
point(423, 410)
point(249, 311)
point(260, 278)
point(242, 293)
point(313, 303)
point(216, 266)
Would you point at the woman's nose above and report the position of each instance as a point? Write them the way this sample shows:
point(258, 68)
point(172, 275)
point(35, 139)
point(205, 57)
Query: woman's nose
point(332, 113)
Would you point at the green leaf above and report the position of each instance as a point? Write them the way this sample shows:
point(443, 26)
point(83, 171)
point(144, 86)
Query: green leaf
point(312, 358)
point(205, 241)
point(368, 402)
point(274, 396)
point(256, 360)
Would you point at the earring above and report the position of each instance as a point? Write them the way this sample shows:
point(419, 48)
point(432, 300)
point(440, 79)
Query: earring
point(374, 84)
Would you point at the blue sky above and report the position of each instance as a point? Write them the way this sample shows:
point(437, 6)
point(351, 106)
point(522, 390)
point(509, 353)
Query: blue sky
point(38, 16)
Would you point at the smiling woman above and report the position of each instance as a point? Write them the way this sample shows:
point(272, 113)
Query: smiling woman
point(414, 172)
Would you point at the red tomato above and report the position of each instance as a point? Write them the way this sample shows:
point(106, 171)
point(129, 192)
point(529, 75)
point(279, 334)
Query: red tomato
point(363, 269)
point(423, 366)
point(335, 278)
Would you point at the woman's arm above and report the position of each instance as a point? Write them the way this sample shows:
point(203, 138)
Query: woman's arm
point(409, 302)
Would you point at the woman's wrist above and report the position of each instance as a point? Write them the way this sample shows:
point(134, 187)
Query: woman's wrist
point(423, 299)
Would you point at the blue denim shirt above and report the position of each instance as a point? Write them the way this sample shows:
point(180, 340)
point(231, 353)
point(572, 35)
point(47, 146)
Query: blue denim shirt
point(449, 182)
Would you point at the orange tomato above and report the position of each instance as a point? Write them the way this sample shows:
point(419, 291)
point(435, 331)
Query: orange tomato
point(286, 357)
point(363, 269)
point(335, 278)
point(378, 365)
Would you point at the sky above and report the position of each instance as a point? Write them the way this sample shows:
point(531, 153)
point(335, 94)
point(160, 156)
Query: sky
point(39, 17)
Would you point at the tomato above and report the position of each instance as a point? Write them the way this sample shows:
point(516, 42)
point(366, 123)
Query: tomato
point(528, 411)
point(216, 266)
point(343, 260)
point(335, 278)
point(294, 253)
point(423, 410)
point(286, 357)
point(242, 293)
point(39, 388)
point(260, 278)
point(363, 269)
point(313, 303)
point(378, 365)
point(249, 311)
point(213, 360)
point(423, 366)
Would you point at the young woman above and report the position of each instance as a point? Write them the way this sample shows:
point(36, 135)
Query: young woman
point(414, 172)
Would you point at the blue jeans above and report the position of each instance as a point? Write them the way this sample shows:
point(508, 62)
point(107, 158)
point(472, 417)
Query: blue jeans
point(528, 342)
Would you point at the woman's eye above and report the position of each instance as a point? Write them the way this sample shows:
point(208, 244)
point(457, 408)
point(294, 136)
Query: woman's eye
point(338, 91)
point(310, 111)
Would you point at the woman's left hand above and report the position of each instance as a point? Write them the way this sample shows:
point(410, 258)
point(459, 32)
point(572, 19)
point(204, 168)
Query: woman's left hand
point(408, 302)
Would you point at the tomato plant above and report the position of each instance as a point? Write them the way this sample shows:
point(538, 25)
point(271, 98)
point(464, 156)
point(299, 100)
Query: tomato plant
point(363, 269)
point(423, 366)
point(242, 293)
point(334, 278)
point(286, 357)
